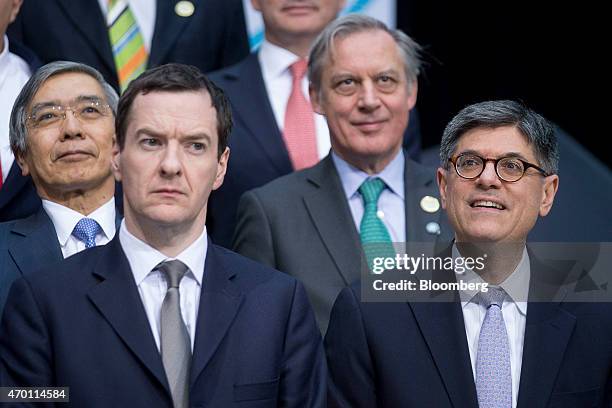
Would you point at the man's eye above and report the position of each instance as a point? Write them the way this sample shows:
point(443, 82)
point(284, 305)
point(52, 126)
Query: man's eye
point(46, 116)
point(150, 142)
point(198, 146)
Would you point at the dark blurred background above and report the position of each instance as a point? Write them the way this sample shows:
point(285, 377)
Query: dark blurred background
point(548, 54)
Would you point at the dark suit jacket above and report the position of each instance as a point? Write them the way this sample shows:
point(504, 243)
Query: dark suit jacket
point(258, 152)
point(212, 38)
point(82, 324)
point(415, 354)
point(301, 224)
point(27, 245)
point(18, 197)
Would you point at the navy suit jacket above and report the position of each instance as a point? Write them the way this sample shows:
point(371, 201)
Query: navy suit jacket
point(27, 245)
point(212, 38)
point(415, 354)
point(82, 324)
point(258, 153)
point(18, 197)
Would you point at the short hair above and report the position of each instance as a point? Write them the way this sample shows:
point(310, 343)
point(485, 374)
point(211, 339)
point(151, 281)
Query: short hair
point(175, 78)
point(492, 114)
point(323, 47)
point(19, 116)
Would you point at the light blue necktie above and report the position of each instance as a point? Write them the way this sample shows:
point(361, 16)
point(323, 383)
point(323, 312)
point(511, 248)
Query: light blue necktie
point(493, 374)
point(86, 230)
point(375, 237)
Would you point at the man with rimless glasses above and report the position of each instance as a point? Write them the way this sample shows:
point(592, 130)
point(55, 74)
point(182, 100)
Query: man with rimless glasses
point(61, 132)
point(522, 342)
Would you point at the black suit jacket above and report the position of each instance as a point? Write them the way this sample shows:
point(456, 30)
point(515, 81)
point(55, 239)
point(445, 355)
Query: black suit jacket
point(82, 324)
point(213, 37)
point(415, 354)
point(18, 197)
point(258, 152)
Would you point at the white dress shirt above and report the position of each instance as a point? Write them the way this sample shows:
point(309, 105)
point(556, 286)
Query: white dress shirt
point(152, 284)
point(65, 219)
point(391, 208)
point(514, 311)
point(275, 62)
point(14, 73)
point(144, 12)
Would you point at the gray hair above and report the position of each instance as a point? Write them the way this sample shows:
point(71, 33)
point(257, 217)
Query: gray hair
point(492, 114)
point(323, 46)
point(18, 124)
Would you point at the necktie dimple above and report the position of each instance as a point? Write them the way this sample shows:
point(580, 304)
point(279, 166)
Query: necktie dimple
point(86, 230)
point(127, 43)
point(493, 373)
point(299, 130)
point(175, 342)
point(375, 237)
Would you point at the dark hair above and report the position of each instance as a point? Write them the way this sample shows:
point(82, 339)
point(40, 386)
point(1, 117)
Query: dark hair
point(491, 114)
point(174, 78)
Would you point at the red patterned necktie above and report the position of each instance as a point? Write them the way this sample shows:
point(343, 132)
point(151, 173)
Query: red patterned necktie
point(299, 132)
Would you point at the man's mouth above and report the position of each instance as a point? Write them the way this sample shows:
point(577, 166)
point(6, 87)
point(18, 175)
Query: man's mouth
point(487, 204)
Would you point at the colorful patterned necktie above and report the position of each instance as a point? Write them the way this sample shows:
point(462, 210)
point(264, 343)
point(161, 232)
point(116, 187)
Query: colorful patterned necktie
point(86, 230)
point(375, 237)
point(493, 374)
point(299, 132)
point(128, 46)
point(174, 338)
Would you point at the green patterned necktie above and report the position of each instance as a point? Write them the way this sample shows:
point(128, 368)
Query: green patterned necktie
point(375, 237)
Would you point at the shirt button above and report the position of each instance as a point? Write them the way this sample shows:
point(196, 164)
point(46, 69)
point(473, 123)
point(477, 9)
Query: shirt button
point(380, 214)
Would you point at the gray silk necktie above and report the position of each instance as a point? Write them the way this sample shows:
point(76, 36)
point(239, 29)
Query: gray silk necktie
point(175, 341)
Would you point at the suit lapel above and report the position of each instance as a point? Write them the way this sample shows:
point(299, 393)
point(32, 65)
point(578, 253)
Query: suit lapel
point(331, 216)
point(117, 299)
point(168, 26)
point(34, 243)
point(88, 19)
point(547, 332)
point(220, 301)
point(254, 110)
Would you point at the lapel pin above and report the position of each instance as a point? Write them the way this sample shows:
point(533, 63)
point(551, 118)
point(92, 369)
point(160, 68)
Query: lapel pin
point(430, 204)
point(184, 8)
point(433, 228)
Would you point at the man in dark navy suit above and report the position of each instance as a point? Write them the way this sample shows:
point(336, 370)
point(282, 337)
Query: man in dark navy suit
point(18, 197)
point(209, 34)
point(521, 342)
point(161, 317)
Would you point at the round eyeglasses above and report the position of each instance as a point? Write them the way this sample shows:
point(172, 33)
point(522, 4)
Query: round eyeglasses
point(510, 169)
point(51, 116)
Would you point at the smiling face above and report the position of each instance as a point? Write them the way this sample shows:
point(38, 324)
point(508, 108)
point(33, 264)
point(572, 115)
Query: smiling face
point(74, 155)
point(366, 98)
point(486, 209)
point(169, 165)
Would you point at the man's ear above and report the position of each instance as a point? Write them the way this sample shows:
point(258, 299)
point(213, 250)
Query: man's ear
point(116, 160)
point(16, 7)
point(23, 164)
point(551, 185)
point(441, 175)
point(221, 168)
point(314, 100)
point(412, 96)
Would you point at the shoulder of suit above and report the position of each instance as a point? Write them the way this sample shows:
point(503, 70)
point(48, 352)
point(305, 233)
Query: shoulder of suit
point(229, 74)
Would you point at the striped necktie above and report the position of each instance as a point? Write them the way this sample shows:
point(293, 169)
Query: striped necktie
point(128, 46)
point(375, 238)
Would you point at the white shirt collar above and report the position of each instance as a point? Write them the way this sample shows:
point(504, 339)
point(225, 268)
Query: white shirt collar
point(274, 60)
point(516, 285)
point(352, 177)
point(65, 219)
point(4, 53)
point(143, 258)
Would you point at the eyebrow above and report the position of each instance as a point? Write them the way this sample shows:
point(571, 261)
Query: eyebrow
point(56, 102)
point(146, 131)
point(508, 154)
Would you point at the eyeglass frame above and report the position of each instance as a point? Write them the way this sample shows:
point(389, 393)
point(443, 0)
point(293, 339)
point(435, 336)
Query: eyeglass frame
point(526, 165)
point(71, 107)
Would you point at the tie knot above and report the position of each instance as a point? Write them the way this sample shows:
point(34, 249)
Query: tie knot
point(493, 296)
point(298, 69)
point(86, 230)
point(174, 271)
point(371, 189)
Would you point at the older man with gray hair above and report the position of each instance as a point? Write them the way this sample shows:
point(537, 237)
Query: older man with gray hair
point(61, 132)
point(312, 224)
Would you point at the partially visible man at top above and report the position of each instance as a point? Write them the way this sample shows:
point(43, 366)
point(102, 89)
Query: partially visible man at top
point(120, 38)
point(18, 197)
point(521, 343)
point(161, 317)
point(62, 133)
point(310, 224)
point(276, 130)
